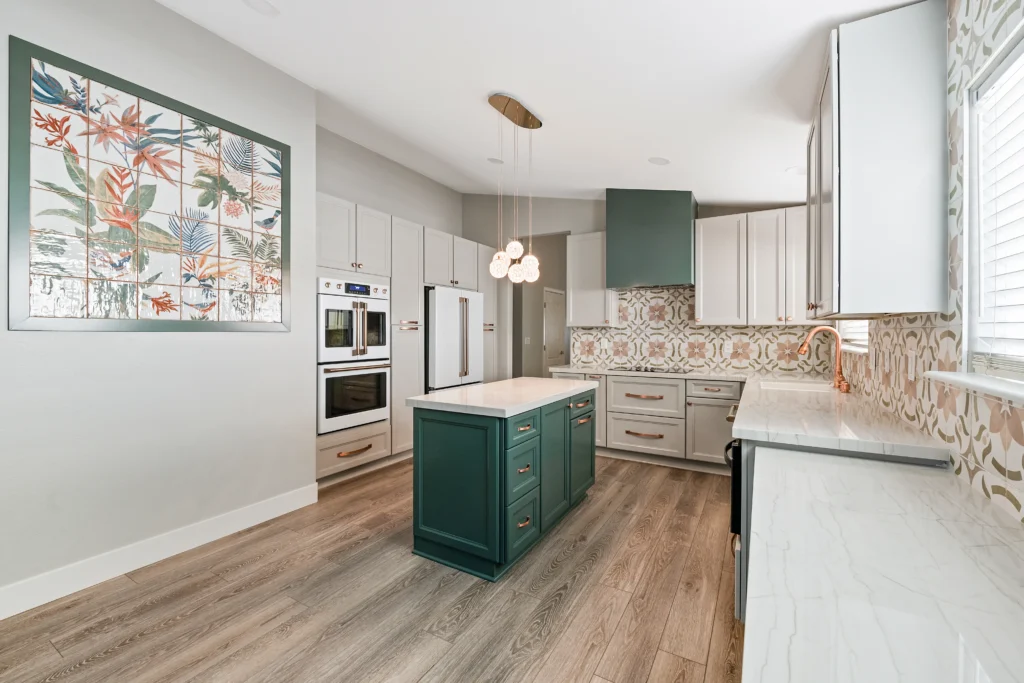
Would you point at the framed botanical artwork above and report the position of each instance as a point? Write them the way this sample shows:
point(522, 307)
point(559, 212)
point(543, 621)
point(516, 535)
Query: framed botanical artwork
point(131, 211)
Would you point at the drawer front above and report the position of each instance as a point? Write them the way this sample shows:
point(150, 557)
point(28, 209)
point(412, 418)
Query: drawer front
point(642, 396)
point(522, 524)
point(723, 390)
point(583, 403)
point(645, 434)
point(349, 454)
point(522, 470)
point(521, 428)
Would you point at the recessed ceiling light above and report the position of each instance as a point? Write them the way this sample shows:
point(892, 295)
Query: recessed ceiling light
point(495, 161)
point(797, 170)
point(264, 7)
point(659, 161)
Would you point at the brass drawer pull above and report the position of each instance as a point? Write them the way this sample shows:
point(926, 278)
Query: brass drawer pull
point(646, 397)
point(584, 404)
point(524, 524)
point(584, 420)
point(713, 390)
point(345, 454)
point(645, 436)
point(597, 377)
point(526, 428)
point(523, 470)
point(731, 417)
point(407, 327)
point(408, 322)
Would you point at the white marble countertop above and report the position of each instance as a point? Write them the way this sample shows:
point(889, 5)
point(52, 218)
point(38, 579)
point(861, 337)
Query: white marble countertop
point(721, 375)
point(830, 420)
point(502, 399)
point(875, 572)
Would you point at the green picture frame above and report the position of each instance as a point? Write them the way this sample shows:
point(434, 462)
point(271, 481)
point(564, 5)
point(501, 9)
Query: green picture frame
point(21, 104)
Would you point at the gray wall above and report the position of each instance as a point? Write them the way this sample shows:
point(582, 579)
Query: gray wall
point(109, 439)
point(550, 216)
point(350, 171)
point(528, 307)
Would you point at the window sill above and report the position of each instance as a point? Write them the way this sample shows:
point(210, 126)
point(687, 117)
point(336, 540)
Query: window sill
point(1000, 387)
point(850, 348)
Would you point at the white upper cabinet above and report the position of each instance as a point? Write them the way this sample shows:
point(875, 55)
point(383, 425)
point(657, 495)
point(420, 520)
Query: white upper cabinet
point(465, 262)
point(437, 258)
point(766, 267)
point(407, 272)
point(373, 242)
point(335, 233)
point(720, 270)
point(588, 302)
point(878, 167)
point(797, 298)
point(488, 286)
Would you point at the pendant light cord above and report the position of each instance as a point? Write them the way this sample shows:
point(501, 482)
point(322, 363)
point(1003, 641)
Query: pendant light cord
point(529, 215)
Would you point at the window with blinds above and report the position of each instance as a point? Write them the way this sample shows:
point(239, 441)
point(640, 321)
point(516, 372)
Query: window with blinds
point(854, 332)
point(996, 228)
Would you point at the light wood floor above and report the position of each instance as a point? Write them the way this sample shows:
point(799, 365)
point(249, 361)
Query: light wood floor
point(635, 585)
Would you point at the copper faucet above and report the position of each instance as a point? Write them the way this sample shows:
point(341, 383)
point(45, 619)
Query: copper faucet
point(838, 380)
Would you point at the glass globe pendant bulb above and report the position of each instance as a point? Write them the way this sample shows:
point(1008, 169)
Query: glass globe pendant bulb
point(531, 262)
point(498, 268)
point(532, 274)
point(515, 249)
point(516, 273)
point(504, 258)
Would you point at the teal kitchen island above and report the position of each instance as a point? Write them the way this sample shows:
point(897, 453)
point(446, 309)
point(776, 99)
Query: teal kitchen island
point(496, 466)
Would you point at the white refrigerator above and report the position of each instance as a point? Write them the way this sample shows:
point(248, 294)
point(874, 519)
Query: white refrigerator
point(455, 338)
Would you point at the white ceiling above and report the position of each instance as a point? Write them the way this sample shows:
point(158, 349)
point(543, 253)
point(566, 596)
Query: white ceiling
point(722, 89)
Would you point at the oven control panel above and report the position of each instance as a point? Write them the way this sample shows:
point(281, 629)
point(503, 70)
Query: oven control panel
point(349, 288)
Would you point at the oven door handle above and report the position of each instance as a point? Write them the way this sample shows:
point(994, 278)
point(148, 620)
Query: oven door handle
point(366, 321)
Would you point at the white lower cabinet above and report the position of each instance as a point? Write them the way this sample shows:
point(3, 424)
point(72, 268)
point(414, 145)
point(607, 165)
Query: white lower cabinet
point(407, 379)
point(340, 451)
point(663, 436)
point(709, 431)
point(663, 397)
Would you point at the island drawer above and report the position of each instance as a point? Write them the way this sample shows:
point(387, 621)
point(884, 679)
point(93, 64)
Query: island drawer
point(582, 403)
point(521, 428)
point(522, 524)
point(712, 389)
point(644, 434)
point(661, 396)
point(522, 470)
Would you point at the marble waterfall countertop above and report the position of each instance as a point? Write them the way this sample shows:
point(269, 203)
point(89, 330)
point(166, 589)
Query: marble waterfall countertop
point(502, 399)
point(876, 572)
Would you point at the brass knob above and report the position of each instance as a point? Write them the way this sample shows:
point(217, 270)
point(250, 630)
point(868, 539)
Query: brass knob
point(788, 317)
point(696, 320)
point(810, 307)
point(780, 318)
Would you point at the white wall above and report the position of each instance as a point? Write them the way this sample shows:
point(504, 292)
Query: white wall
point(550, 216)
point(350, 171)
point(107, 439)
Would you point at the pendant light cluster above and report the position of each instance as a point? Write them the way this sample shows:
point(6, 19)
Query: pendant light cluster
point(515, 260)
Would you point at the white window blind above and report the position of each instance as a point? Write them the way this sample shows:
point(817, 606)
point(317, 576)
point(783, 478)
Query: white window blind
point(854, 332)
point(996, 306)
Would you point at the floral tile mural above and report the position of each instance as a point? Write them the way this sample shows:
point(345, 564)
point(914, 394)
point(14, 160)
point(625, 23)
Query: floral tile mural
point(138, 210)
point(658, 331)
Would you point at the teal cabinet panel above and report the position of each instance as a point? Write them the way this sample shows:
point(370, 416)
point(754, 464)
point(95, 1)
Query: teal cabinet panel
point(522, 469)
point(554, 464)
point(650, 238)
point(457, 481)
point(581, 456)
point(522, 526)
point(520, 428)
point(583, 403)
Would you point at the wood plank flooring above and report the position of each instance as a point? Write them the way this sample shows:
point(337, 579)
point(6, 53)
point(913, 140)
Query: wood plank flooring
point(634, 586)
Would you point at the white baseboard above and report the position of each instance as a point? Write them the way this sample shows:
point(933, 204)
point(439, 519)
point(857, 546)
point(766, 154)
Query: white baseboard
point(43, 588)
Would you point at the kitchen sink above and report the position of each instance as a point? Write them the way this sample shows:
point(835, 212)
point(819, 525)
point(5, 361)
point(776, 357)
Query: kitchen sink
point(796, 385)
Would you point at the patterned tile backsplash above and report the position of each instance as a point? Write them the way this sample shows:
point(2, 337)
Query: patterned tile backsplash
point(658, 331)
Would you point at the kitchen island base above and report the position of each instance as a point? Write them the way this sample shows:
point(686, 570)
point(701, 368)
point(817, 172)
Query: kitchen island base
point(486, 488)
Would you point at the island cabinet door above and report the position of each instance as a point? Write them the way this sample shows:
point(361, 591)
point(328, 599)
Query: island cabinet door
point(581, 455)
point(554, 464)
point(457, 481)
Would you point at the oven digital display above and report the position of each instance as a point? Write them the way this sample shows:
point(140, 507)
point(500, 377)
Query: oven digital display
point(357, 289)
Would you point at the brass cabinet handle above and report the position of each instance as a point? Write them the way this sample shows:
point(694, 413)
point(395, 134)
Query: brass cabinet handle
point(596, 376)
point(646, 397)
point(488, 329)
point(736, 544)
point(584, 404)
point(408, 328)
point(353, 264)
point(524, 524)
point(696, 320)
point(605, 322)
point(526, 428)
point(713, 390)
point(731, 417)
point(584, 420)
point(811, 306)
point(780, 318)
point(345, 454)
point(523, 470)
point(408, 322)
point(645, 436)
point(789, 317)
point(689, 403)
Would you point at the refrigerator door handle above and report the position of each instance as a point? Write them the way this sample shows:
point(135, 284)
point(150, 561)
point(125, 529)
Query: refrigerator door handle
point(464, 342)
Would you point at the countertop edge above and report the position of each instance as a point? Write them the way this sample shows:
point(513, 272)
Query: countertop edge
point(486, 411)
